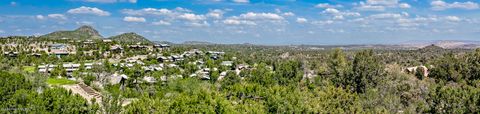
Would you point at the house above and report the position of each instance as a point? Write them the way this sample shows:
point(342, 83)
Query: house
point(58, 46)
point(137, 47)
point(162, 59)
point(227, 63)
point(88, 42)
point(69, 67)
point(10, 54)
point(161, 46)
point(58, 50)
point(107, 41)
point(116, 48)
point(176, 58)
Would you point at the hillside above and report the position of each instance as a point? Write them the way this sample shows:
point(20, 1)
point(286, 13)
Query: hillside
point(130, 38)
point(82, 33)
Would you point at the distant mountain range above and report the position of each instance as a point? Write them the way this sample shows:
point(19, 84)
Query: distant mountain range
point(89, 33)
point(447, 44)
point(197, 43)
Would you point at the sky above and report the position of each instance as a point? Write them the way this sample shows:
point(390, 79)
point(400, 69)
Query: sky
point(271, 22)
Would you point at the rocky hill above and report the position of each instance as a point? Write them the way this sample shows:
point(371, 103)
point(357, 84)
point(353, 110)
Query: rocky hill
point(130, 38)
point(82, 33)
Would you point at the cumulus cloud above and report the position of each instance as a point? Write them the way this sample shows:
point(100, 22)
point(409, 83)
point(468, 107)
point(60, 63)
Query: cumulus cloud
point(84, 23)
point(386, 16)
point(111, 1)
point(148, 11)
point(288, 14)
point(198, 24)
point(241, 1)
point(301, 20)
point(88, 10)
point(441, 5)
point(324, 22)
point(40, 17)
point(238, 22)
point(260, 16)
point(327, 5)
point(380, 5)
point(217, 13)
point(453, 18)
point(192, 17)
point(57, 16)
point(404, 5)
point(339, 14)
point(252, 18)
point(134, 19)
point(162, 22)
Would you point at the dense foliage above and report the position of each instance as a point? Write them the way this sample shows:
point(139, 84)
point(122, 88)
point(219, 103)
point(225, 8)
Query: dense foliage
point(278, 80)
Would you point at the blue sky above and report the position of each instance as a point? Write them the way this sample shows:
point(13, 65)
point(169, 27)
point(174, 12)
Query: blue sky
point(270, 22)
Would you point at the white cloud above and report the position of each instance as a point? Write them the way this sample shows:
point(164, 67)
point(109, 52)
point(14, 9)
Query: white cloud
point(404, 5)
point(383, 2)
point(326, 5)
point(260, 16)
point(180, 9)
point(441, 5)
point(1, 31)
point(111, 1)
point(192, 17)
point(339, 15)
point(241, 1)
point(84, 23)
point(326, 22)
point(301, 20)
point(162, 22)
point(365, 7)
point(40, 17)
point(238, 22)
point(386, 16)
point(380, 5)
point(199, 24)
point(148, 11)
point(331, 11)
point(288, 14)
point(57, 16)
point(217, 13)
point(88, 10)
point(134, 19)
point(453, 18)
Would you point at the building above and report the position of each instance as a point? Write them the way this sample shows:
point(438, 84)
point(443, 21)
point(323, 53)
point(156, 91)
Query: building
point(58, 50)
point(69, 67)
point(10, 54)
point(161, 46)
point(227, 63)
point(107, 41)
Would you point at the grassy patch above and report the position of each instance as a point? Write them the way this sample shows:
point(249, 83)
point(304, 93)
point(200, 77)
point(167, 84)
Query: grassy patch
point(29, 69)
point(60, 81)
